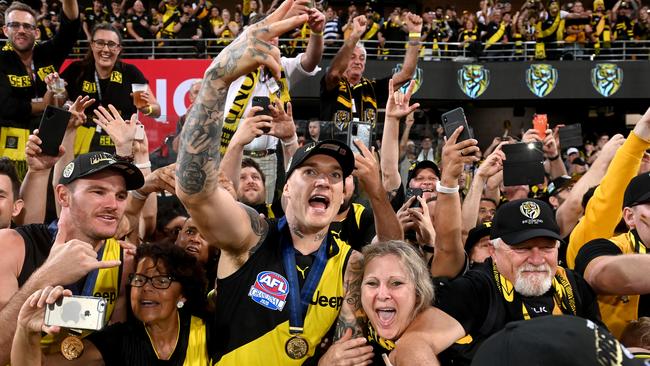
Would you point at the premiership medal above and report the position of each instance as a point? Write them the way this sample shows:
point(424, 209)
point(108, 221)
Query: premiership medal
point(296, 347)
point(72, 347)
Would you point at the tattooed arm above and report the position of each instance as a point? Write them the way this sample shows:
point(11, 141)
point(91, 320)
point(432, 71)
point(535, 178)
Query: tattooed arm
point(219, 218)
point(351, 315)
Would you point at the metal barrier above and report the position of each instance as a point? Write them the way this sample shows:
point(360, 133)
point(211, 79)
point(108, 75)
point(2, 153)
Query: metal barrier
point(437, 51)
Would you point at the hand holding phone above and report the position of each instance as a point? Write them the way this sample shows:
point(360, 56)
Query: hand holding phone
point(77, 312)
point(417, 192)
point(452, 120)
point(52, 128)
point(139, 132)
point(264, 103)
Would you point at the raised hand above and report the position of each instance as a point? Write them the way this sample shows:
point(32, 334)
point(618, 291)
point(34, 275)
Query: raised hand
point(359, 25)
point(366, 169)
point(36, 160)
point(252, 126)
point(77, 109)
point(456, 155)
point(397, 105)
point(283, 126)
point(121, 132)
point(32, 313)
point(413, 23)
point(316, 20)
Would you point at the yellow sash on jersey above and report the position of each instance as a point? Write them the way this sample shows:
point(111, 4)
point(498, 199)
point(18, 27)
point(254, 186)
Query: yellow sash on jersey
point(236, 112)
point(540, 49)
point(386, 344)
point(496, 37)
point(197, 347)
point(374, 28)
point(107, 285)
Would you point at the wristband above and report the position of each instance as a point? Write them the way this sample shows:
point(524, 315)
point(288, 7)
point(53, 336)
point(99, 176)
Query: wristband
point(415, 35)
point(446, 190)
point(143, 165)
point(294, 140)
point(313, 33)
point(127, 159)
point(137, 195)
point(554, 158)
point(149, 110)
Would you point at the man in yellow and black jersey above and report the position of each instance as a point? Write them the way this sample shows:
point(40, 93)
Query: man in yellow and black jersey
point(623, 25)
point(393, 34)
point(24, 64)
point(520, 281)
point(346, 95)
point(171, 15)
point(548, 31)
point(601, 35)
point(80, 251)
point(92, 16)
point(615, 267)
point(497, 32)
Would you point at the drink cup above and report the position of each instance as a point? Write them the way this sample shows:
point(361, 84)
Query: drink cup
point(138, 99)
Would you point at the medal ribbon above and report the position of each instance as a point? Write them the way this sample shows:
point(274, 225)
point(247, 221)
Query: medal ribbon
point(299, 298)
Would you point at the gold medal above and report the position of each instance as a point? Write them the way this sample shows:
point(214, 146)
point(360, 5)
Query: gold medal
point(296, 347)
point(72, 347)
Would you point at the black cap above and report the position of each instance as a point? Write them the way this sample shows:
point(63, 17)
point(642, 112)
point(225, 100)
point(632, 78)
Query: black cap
point(424, 164)
point(637, 191)
point(336, 149)
point(578, 161)
point(94, 162)
point(558, 184)
point(519, 220)
point(476, 234)
point(553, 340)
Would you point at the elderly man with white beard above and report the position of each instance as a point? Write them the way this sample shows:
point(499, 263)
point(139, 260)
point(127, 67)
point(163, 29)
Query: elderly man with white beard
point(521, 281)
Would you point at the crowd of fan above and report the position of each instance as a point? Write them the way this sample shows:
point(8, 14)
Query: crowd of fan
point(580, 28)
point(253, 246)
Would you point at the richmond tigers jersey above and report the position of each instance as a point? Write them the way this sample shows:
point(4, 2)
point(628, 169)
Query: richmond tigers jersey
point(252, 314)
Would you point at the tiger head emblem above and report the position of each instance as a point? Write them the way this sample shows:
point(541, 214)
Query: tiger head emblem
point(541, 79)
point(606, 79)
point(473, 80)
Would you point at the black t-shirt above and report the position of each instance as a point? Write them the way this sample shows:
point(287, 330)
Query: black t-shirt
point(16, 86)
point(189, 28)
point(128, 343)
point(92, 18)
point(602, 247)
point(138, 27)
point(115, 90)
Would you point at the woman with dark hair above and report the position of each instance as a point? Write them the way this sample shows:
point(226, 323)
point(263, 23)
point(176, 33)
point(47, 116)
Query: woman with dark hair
point(167, 300)
point(102, 76)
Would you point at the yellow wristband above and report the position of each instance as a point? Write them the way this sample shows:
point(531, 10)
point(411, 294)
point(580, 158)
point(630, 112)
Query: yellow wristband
point(415, 35)
point(149, 110)
point(316, 33)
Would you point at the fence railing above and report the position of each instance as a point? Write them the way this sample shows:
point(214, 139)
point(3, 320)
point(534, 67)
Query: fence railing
point(438, 51)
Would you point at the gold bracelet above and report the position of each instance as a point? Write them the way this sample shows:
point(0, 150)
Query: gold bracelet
point(415, 35)
point(149, 110)
point(316, 33)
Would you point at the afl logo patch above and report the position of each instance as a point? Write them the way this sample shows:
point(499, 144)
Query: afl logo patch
point(270, 290)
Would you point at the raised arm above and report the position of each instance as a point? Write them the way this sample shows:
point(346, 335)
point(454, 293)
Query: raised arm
point(449, 256)
point(414, 25)
point(70, 9)
point(314, 52)
point(218, 216)
point(340, 61)
point(397, 107)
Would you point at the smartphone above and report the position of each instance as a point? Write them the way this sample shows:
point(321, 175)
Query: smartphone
point(263, 102)
point(571, 136)
point(452, 120)
point(139, 132)
point(410, 192)
point(77, 312)
point(359, 130)
point(524, 164)
point(540, 124)
point(52, 128)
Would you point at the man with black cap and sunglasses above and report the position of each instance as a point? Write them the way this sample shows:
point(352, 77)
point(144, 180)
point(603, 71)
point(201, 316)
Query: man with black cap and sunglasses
point(521, 281)
point(616, 268)
point(81, 252)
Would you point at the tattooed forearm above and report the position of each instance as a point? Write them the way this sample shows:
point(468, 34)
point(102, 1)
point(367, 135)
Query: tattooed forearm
point(351, 315)
point(259, 225)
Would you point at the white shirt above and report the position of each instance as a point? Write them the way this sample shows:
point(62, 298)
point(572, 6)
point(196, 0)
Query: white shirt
point(294, 73)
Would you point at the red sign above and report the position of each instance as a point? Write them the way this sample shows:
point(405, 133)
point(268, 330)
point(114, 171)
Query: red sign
point(169, 81)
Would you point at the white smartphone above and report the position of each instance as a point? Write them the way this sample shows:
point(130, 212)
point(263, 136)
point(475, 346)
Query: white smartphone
point(362, 131)
point(139, 132)
point(77, 312)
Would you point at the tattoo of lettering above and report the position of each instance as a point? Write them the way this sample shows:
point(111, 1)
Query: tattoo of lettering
point(297, 232)
point(198, 155)
point(320, 236)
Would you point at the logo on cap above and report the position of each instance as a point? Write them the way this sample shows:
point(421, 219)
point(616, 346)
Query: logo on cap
point(531, 210)
point(67, 171)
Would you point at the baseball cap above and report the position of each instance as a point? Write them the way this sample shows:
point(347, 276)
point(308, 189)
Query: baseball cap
point(424, 164)
point(477, 233)
point(553, 340)
point(336, 149)
point(519, 220)
point(579, 161)
point(559, 184)
point(637, 191)
point(572, 150)
point(94, 162)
